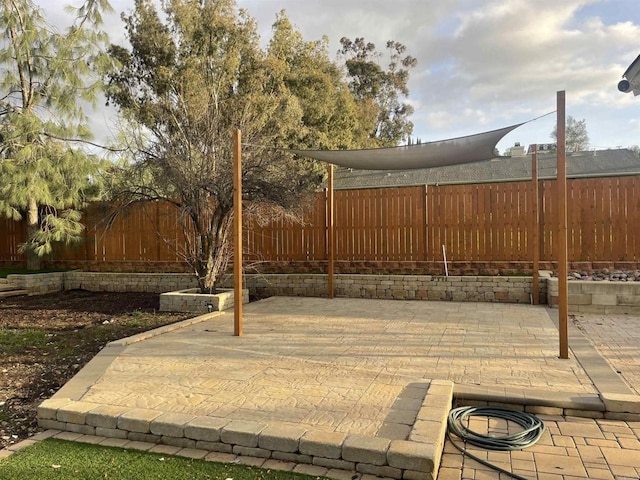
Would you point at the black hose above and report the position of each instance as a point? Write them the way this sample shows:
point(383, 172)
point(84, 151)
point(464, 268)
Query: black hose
point(531, 433)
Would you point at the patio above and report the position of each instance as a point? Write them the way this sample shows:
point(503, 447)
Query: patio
point(346, 383)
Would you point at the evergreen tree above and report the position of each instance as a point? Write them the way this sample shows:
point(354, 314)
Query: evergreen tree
point(47, 75)
point(303, 69)
point(380, 92)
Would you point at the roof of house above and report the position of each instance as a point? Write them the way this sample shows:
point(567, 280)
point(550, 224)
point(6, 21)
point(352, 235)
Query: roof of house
point(597, 163)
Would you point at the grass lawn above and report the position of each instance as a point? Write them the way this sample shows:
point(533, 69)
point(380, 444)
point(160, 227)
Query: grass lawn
point(62, 460)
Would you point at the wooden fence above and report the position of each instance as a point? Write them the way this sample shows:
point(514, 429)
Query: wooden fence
point(476, 223)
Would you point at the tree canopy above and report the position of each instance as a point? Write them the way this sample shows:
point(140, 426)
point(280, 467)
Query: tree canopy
point(47, 75)
point(330, 113)
point(381, 93)
point(577, 137)
point(193, 74)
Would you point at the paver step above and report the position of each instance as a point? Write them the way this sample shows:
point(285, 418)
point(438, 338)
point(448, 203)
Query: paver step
point(415, 453)
point(5, 286)
point(13, 293)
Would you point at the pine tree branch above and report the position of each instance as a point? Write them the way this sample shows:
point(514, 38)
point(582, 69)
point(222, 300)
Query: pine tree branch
point(79, 140)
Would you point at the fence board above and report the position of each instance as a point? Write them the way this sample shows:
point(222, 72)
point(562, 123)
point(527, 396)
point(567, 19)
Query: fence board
point(601, 214)
point(484, 241)
point(633, 216)
point(497, 218)
point(524, 202)
point(471, 221)
point(585, 208)
point(618, 221)
point(575, 215)
point(12, 234)
point(430, 240)
point(548, 220)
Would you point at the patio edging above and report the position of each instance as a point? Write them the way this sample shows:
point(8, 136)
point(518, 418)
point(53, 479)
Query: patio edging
point(417, 458)
point(598, 406)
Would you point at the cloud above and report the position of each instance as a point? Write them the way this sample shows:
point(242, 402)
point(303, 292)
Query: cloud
point(510, 57)
point(484, 64)
point(489, 62)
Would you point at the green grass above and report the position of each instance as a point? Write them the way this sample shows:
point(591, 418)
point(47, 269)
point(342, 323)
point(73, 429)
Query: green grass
point(61, 460)
point(17, 340)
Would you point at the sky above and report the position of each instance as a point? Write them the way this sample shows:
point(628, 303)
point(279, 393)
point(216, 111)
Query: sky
point(482, 64)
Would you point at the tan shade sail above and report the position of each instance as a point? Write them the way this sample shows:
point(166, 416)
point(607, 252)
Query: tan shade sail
point(472, 148)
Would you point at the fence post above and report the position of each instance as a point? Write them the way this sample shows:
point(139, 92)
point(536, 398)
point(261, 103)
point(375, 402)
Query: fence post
point(535, 225)
point(563, 287)
point(330, 231)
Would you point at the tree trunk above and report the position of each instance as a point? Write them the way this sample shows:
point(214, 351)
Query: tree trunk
point(33, 260)
point(212, 274)
point(218, 252)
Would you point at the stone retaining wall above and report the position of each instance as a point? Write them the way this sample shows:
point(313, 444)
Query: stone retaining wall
point(598, 296)
point(38, 283)
point(398, 287)
point(128, 282)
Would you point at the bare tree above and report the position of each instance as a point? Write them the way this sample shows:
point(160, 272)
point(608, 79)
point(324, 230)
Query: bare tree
point(577, 138)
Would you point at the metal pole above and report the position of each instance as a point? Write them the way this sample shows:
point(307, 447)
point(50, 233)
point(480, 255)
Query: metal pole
point(535, 226)
point(563, 287)
point(444, 256)
point(237, 235)
point(330, 231)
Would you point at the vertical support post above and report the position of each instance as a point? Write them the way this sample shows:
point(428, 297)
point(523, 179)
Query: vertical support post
point(331, 234)
point(425, 226)
point(157, 238)
point(237, 235)
point(563, 287)
point(535, 226)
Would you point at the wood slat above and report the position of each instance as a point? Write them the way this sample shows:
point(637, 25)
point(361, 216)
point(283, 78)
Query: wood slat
point(484, 222)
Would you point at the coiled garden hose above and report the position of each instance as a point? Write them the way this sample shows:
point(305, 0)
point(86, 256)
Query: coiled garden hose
point(457, 423)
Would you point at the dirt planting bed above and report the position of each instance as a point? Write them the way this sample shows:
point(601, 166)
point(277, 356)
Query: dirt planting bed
point(46, 339)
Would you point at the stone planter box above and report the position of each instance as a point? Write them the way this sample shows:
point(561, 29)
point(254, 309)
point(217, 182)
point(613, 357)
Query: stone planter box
point(598, 296)
point(191, 300)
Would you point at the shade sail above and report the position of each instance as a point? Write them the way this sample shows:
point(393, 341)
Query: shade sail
point(454, 151)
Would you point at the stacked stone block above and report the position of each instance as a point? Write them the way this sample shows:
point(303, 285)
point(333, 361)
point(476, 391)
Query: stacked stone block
point(399, 287)
point(191, 300)
point(603, 297)
point(38, 283)
point(417, 458)
point(128, 282)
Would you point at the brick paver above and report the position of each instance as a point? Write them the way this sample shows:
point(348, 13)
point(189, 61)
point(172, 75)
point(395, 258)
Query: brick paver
point(570, 448)
point(573, 448)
